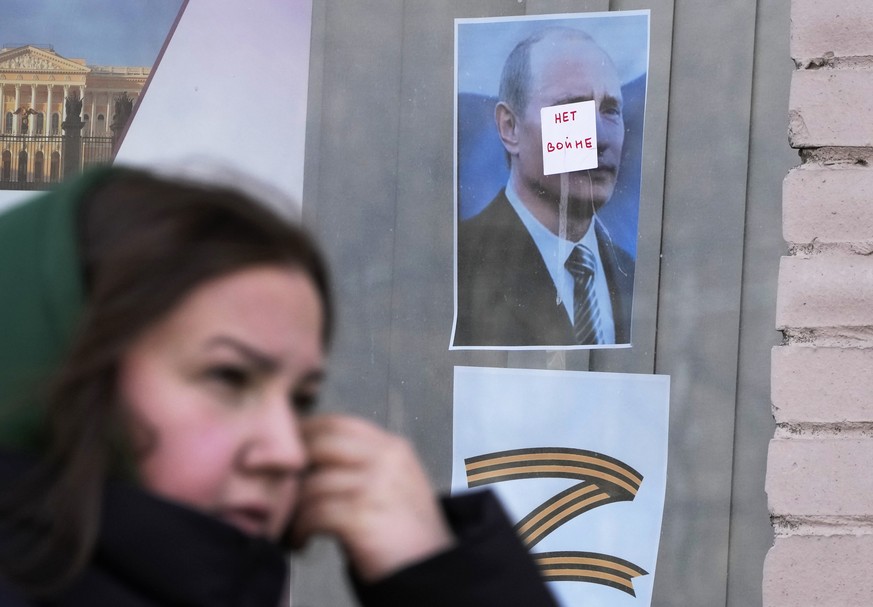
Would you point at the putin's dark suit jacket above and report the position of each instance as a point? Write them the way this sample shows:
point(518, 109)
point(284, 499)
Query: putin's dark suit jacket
point(506, 296)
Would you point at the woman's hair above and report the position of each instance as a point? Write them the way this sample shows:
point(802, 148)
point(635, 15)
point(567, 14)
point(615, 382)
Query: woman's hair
point(146, 242)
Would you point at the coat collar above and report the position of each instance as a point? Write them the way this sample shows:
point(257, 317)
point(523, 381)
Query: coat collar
point(154, 552)
point(184, 557)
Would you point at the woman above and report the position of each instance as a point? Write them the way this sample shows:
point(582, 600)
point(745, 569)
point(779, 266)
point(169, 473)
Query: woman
point(162, 346)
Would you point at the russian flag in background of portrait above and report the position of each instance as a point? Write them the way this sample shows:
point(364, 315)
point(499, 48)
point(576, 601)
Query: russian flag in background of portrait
point(579, 460)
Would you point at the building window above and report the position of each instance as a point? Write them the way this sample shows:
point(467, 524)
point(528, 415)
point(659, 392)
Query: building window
point(56, 120)
point(40, 123)
point(38, 162)
point(55, 168)
point(22, 166)
point(6, 168)
point(101, 123)
point(8, 122)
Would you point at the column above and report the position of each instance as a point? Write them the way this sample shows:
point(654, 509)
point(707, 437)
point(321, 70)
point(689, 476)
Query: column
point(64, 111)
point(16, 120)
point(47, 122)
point(82, 98)
point(93, 116)
point(2, 110)
point(31, 120)
point(108, 120)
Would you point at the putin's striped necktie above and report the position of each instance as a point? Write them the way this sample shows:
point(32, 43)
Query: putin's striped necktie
point(586, 316)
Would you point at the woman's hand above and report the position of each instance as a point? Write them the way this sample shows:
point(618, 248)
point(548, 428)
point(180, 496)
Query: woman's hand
point(367, 488)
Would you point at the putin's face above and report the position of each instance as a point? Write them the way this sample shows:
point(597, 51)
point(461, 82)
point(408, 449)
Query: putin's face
point(567, 70)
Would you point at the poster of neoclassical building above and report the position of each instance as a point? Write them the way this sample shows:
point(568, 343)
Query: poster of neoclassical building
point(64, 105)
point(214, 87)
point(39, 89)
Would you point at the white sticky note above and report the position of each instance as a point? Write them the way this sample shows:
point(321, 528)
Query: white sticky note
point(569, 137)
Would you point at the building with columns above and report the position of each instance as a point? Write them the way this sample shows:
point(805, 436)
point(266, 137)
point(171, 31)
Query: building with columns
point(34, 83)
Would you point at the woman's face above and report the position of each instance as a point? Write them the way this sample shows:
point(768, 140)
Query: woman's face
point(215, 389)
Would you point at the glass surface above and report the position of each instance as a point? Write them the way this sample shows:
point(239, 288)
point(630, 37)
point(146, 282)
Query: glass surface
point(378, 192)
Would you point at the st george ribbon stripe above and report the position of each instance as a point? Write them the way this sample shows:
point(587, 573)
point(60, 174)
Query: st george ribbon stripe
point(562, 508)
point(583, 492)
point(589, 567)
point(605, 480)
point(611, 481)
point(552, 463)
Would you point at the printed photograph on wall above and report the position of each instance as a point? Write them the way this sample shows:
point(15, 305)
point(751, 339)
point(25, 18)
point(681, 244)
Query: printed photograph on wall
point(549, 115)
point(185, 69)
point(71, 74)
point(579, 461)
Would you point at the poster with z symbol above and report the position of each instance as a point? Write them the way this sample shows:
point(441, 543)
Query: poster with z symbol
point(579, 461)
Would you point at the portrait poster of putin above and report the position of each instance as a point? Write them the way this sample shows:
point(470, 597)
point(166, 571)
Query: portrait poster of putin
point(545, 259)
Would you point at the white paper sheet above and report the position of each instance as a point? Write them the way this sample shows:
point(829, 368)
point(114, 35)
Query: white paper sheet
point(602, 429)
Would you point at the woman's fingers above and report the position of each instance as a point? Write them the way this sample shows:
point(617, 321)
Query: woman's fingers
point(367, 488)
point(341, 440)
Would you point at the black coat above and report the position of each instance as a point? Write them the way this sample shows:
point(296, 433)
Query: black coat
point(506, 296)
point(154, 553)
